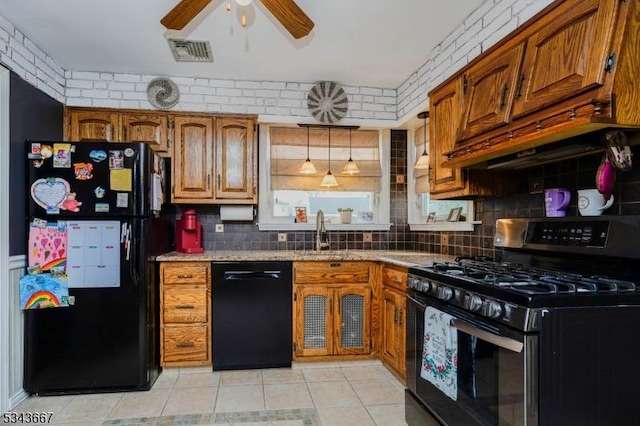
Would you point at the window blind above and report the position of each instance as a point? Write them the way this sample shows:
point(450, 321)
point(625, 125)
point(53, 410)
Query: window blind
point(289, 150)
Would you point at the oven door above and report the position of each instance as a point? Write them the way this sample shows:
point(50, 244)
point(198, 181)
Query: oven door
point(496, 375)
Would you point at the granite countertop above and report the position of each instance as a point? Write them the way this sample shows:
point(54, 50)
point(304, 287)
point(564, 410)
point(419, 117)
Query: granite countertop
point(400, 258)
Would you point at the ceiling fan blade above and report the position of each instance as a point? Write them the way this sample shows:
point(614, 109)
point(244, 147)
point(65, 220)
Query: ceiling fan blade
point(183, 13)
point(290, 16)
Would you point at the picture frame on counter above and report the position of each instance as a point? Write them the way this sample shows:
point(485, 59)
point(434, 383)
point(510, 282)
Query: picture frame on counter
point(454, 214)
point(431, 218)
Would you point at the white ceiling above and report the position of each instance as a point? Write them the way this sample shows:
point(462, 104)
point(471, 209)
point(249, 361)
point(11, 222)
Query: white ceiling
point(376, 43)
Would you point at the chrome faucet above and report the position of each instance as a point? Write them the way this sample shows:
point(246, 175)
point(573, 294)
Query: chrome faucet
point(321, 232)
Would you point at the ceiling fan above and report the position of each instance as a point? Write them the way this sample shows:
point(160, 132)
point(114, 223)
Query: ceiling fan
point(286, 11)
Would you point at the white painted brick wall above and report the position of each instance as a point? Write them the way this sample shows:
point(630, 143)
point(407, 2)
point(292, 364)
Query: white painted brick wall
point(23, 57)
point(493, 20)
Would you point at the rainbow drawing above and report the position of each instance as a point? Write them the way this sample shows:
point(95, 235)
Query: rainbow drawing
point(39, 291)
point(61, 262)
point(42, 299)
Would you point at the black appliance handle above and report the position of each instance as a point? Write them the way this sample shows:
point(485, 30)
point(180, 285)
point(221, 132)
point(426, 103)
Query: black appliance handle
point(503, 342)
point(251, 275)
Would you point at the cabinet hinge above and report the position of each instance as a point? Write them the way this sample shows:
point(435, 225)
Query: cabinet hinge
point(608, 63)
point(295, 297)
point(464, 84)
point(295, 346)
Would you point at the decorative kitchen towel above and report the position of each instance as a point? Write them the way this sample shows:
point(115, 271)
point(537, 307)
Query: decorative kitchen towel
point(440, 352)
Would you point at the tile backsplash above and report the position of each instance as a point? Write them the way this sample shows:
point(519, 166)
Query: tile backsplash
point(526, 201)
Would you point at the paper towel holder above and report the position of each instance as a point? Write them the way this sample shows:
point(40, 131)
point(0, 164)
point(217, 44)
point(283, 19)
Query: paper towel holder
point(237, 213)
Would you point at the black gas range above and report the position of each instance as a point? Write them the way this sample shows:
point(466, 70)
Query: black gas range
point(546, 333)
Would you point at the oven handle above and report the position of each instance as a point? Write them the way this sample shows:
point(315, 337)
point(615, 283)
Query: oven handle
point(503, 342)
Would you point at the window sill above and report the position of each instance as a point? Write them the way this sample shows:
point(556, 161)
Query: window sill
point(328, 226)
point(445, 226)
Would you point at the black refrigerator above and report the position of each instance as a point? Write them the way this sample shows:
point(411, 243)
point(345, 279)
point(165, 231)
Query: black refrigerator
point(106, 197)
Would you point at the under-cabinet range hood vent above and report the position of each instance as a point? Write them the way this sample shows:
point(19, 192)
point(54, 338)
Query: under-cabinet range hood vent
point(191, 50)
point(568, 148)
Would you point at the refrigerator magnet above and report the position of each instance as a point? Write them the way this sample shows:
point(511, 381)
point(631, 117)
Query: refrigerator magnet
point(102, 208)
point(98, 155)
point(61, 155)
point(116, 159)
point(122, 200)
point(50, 193)
point(83, 171)
point(99, 191)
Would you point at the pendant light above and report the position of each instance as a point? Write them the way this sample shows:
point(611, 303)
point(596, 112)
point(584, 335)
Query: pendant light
point(329, 180)
point(351, 168)
point(423, 161)
point(307, 167)
point(242, 3)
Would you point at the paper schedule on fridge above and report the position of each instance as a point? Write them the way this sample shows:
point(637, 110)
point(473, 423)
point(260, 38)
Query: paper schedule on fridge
point(94, 254)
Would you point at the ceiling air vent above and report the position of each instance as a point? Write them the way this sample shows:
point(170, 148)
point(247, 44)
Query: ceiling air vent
point(191, 50)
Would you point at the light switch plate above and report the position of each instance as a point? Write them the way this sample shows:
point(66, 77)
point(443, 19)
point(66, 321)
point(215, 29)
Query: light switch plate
point(219, 227)
point(400, 179)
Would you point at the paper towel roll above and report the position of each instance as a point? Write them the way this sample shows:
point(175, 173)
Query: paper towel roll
point(236, 213)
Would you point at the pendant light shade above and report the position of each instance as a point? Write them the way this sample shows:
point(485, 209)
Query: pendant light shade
point(307, 167)
point(351, 168)
point(329, 180)
point(423, 161)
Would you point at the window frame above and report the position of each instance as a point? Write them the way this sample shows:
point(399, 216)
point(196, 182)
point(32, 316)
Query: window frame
point(416, 220)
point(266, 220)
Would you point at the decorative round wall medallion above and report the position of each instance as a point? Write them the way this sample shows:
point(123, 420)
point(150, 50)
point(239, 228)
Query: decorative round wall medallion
point(163, 93)
point(327, 102)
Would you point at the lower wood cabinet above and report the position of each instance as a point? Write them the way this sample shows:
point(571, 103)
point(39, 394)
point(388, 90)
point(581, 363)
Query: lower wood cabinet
point(393, 346)
point(333, 309)
point(185, 314)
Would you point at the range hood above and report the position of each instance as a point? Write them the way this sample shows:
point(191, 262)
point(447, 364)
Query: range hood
point(568, 148)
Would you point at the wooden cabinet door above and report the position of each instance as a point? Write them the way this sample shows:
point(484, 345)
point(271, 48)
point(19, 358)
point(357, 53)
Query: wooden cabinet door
point(489, 87)
point(353, 320)
point(192, 160)
point(313, 320)
point(445, 113)
point(567, 54)
point(100, 126)
point(149, 128)
point(235, 159)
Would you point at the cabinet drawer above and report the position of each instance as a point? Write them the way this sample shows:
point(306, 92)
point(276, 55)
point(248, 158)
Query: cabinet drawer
point(182, 305)
point(394, 277)
point(331, 272)
point(186, 273)
point(185, 344)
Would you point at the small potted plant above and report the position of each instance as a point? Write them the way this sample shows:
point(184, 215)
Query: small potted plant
point(345, 214)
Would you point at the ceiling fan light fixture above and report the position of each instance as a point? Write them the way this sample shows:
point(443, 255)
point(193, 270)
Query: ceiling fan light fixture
point(244, 2)
point(228, 5)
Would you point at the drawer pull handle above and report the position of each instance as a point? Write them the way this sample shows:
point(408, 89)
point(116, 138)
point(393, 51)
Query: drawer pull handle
point(185, 307)
point(336, 265)
point(185, 276)
point(185, 345)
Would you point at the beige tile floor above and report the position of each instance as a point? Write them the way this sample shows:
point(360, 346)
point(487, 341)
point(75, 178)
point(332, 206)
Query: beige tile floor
point(327, 394)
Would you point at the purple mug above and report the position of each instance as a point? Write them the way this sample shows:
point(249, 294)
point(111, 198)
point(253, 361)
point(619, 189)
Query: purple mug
point(556, 201)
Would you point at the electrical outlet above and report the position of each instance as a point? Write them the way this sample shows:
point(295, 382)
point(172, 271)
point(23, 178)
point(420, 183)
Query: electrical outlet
point(400, 179)
point(282, 237)
point(444, 244)
point(367, 237)
point(219, 227)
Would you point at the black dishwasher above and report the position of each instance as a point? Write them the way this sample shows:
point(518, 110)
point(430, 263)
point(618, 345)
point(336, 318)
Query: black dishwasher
point(251, 315)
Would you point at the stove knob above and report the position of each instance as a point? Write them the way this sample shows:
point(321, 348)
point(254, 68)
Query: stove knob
point(472, 302)
point(492, 309)
point(444, 293)
point(425, 286)
point(414, 283)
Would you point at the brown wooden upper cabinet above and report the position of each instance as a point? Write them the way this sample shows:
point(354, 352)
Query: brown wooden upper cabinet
point(235, 159)
point(93, 125)
point(488, 89)
point(96, 124)
point(214, 160)
point(154, 129)
point(192, 160)
point(570, 70)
